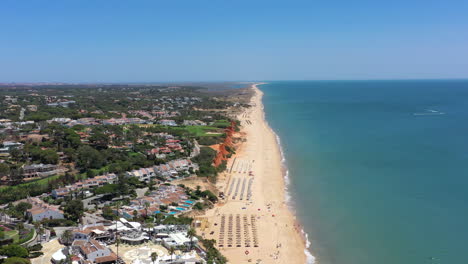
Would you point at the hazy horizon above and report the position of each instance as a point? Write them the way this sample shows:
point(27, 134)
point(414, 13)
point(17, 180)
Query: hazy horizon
point(229, 81)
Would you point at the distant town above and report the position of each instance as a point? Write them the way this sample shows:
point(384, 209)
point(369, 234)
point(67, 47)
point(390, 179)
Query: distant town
point(112, 173)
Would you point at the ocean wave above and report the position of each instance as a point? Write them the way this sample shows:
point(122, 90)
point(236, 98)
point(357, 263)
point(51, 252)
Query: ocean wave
point(310, 259)
point(287, 180)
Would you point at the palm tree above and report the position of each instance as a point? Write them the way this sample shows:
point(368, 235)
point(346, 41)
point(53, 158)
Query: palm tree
point(40, 231)
point(66, 237)
point(146, 205)
point(171, 251)
point(117, 239)
point(117, 243)
point(154, 257)
point(20, 227)
point(190, 234)
point(183, 248)
point(150, 226)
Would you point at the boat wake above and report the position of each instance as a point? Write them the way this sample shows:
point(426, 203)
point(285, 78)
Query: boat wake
point(429, 112)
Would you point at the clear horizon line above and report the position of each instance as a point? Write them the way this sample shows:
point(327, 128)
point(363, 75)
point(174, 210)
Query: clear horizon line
point(226, 81)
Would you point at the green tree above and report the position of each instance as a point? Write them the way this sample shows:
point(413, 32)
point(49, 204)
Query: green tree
point(22, 207)
point(67, 237)
point(16, 260)
point(198, 190)
point(191, 233)
point(72, 139)
point(70, 154)
point(198, 206)
point(146, 205)
point(154, 256)
point(108, 213)
point(20, 227)
point(4, 169)
point(89, 158)
point(117, 244)
point(171, 251)
point(49, 156)
point(211, 197)
point(159, 217)
point(99, 140)
point(14, 250)
point(74, 210)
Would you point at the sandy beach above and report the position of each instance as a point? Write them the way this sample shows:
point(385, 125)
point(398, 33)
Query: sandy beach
point(253, 224)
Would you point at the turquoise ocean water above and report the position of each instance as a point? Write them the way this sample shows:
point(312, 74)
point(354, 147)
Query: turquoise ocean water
point(378, 169)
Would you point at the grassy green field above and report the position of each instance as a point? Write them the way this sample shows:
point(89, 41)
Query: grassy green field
point(201, 131)
point(82, 176)
point(41, 182)
point(198, 131)
point(221, 123)
point(12, 234)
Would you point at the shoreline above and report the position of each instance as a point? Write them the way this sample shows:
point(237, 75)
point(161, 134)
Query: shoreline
point(310, 259)
point(255, 222)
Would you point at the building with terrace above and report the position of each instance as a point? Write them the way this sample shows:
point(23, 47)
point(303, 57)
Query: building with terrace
point(41, 210)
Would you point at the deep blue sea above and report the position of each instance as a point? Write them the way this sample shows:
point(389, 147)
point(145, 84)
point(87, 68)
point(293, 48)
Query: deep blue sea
point(378, 169)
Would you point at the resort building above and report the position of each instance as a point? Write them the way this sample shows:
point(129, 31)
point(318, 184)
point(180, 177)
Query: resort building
point(194, 123)
point(59, 256)
point(168, 170)
point(88, 232)
point(85, 184)
point(62, 103)
point(166, 195)
point(11, 144)
point(39, 171)
point(93, 251)
point(167, 122)
point(42, 210)
point(179, 239)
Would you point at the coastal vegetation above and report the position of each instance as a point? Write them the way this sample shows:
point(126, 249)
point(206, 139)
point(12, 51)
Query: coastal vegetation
point(71, 150)
point(213, 254)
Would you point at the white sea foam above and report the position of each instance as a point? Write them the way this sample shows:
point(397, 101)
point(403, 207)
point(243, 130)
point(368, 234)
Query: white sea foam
point(310, 259)
point(287, 180)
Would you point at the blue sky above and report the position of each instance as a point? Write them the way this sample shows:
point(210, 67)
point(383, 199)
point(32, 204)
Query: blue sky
point(198, 40)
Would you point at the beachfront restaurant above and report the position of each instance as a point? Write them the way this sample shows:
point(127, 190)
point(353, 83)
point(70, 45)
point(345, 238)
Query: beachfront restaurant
point(134, 237)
